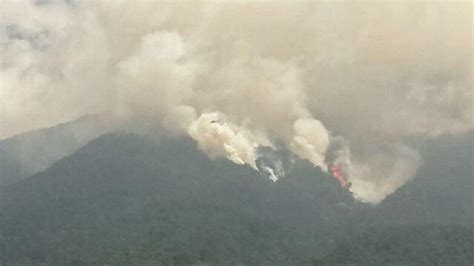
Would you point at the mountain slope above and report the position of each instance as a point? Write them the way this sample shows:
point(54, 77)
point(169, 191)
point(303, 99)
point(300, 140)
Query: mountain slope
point(31, 152)
point(125, 192)
point(406, 245)
point(132, 200)
point(443, 190)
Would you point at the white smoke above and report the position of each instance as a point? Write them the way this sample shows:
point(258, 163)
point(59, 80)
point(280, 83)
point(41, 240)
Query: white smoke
point(383, 173)
point(310, 141)
point(270, 163)
point(240, 76)
point(376, 172)
point(220, 138)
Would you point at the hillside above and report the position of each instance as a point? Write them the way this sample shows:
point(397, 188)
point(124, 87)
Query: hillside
point(443, 190)
point(34, 151)
point(126, 199)
point(406, 245)
point(125, 192)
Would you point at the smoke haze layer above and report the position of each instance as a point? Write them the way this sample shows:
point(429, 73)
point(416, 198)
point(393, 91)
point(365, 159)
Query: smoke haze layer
point(239, 76)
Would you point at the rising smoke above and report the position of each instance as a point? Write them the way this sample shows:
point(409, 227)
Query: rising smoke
point(336, 83)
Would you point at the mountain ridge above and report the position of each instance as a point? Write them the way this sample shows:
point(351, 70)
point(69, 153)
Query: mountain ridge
point(128, 199)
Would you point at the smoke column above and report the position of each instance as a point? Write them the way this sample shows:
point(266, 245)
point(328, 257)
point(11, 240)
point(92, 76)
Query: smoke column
point(237, 77)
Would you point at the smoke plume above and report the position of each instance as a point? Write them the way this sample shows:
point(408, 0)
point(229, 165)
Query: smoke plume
point(336, 84)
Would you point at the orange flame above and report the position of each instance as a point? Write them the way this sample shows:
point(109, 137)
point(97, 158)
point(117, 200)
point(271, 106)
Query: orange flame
point(336, 172)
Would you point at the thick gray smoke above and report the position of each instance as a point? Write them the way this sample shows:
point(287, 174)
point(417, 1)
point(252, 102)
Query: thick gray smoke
point(236, 77)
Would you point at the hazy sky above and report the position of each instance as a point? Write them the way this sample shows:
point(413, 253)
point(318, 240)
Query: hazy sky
point(336, 83)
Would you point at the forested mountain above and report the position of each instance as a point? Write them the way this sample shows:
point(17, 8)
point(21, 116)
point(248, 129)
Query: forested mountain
point(126, 199)
point(443, 190)
point(406, 245)
point(128, 192)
